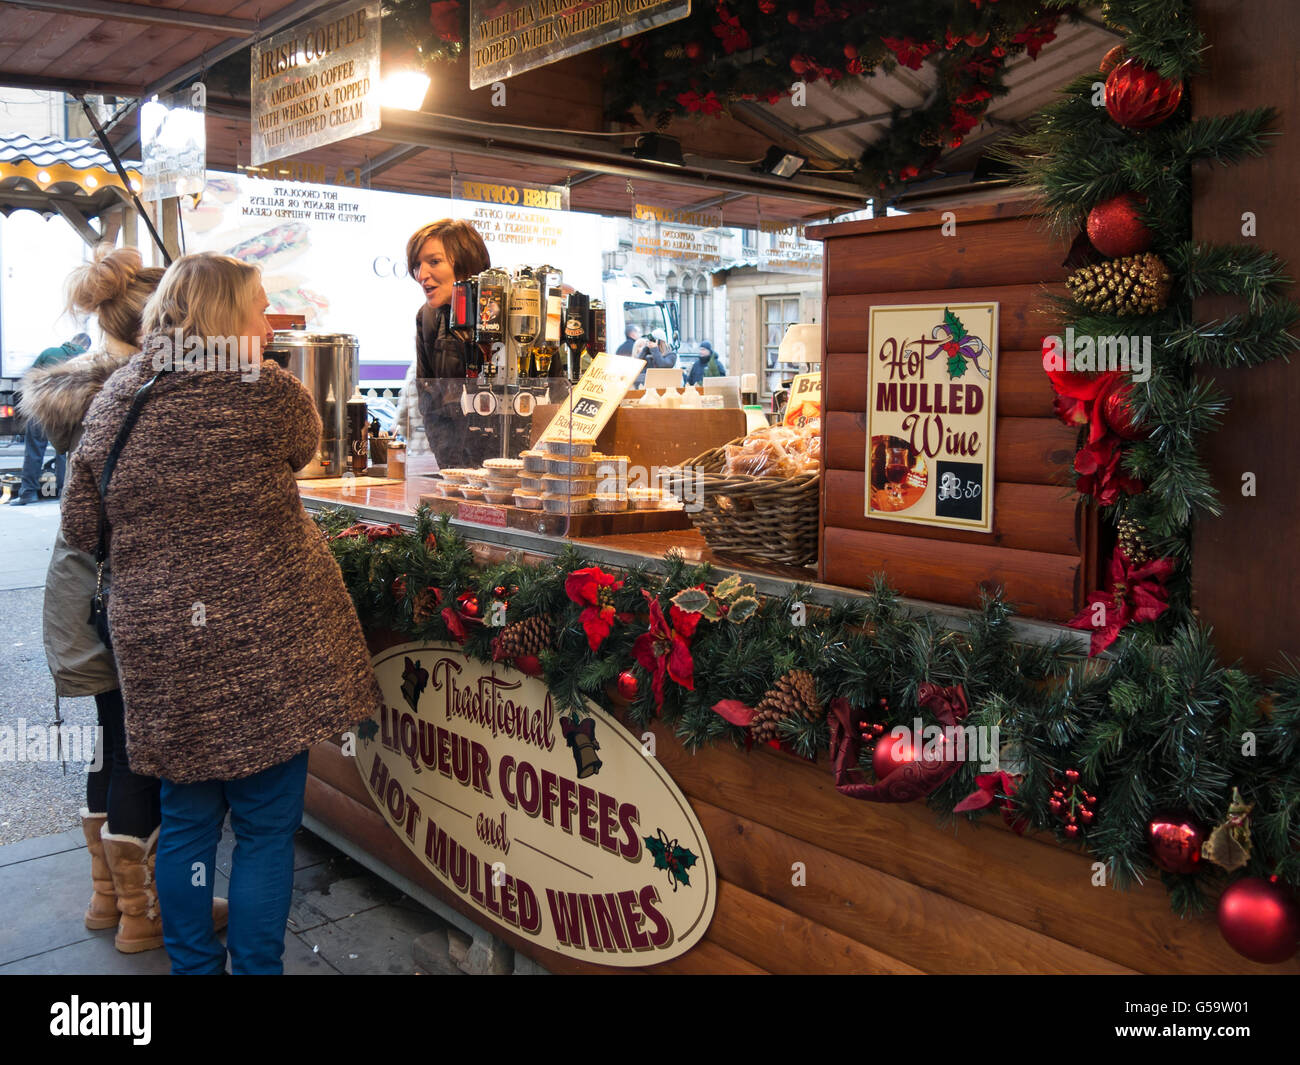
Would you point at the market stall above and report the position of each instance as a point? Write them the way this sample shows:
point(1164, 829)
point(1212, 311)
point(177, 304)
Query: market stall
point(909, 684)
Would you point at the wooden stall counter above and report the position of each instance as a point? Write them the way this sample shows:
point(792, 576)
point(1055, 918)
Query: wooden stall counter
point(883, 888)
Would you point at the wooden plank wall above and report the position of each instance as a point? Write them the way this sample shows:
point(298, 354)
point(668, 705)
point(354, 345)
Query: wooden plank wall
point(1043, 541)
point(1251, 597)
point(886, 888)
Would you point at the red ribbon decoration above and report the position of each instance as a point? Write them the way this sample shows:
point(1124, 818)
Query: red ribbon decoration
point(911, 780)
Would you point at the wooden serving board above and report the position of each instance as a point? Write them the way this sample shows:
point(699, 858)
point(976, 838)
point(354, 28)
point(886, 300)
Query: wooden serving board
point(503, 517)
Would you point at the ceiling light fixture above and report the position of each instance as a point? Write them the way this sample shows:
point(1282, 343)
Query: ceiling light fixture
point(780, 163)
point(658, 148)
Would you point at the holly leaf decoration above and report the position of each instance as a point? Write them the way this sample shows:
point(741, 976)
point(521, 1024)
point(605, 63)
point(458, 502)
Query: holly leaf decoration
point(692, 600)
point(728, 587)
point(954, 325)
point(368, 729)
point(669, 856)
point(743, 609)
point(956, 366)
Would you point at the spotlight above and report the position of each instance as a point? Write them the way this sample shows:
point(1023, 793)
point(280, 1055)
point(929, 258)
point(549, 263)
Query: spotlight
point(781, 163)
point(658, 148)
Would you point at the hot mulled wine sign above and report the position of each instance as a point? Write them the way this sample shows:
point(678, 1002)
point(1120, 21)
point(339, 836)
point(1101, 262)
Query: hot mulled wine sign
point(931, 393)
point(563, 830)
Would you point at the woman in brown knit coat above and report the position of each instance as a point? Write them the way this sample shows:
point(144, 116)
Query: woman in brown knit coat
point(237, 645)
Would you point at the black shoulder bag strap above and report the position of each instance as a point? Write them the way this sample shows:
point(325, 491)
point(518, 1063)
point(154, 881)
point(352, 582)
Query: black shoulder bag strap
point(98, 606)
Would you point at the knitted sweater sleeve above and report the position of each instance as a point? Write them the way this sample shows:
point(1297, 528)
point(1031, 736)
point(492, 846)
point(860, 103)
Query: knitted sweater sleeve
point(295, 415)
point(80, 505)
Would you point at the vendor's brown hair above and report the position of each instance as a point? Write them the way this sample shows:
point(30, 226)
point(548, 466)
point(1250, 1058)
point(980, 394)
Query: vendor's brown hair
point(114, 286)
point(461, 244)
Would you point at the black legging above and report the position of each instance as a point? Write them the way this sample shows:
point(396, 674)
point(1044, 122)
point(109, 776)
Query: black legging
point(131, 800)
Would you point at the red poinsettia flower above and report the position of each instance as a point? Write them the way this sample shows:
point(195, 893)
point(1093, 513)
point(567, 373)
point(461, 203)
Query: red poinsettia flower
point(445, 18)
point(593, 589)
point(962, 121)
point(708, 104)
point(1100, 476)
point(1035, 35)
point(974, 95)
point(666, 649)
point(1136, 593)
point(733, 36)
point(768, 7)
point(909, 53)
point(990, 787)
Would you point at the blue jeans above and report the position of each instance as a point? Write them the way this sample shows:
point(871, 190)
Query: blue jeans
point(34, 445)
point(265, 812)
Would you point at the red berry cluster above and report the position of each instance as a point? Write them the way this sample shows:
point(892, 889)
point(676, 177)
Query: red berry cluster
point(870, 731)
point(1072, 804)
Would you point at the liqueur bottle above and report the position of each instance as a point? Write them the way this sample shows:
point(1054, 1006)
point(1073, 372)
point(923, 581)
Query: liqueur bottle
point(525, 318)
point(493, 285)
point(575, 333)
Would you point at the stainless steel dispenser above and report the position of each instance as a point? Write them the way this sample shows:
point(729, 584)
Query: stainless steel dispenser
point(329, 366)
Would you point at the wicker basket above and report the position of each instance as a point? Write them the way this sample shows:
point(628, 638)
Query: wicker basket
point(771, 518)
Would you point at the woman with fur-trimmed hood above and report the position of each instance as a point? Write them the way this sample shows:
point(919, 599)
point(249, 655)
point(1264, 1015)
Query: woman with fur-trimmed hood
point(122, 811)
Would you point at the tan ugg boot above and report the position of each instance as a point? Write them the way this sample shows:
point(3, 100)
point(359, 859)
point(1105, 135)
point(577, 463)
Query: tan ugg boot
point(102, 911)
point(131, 861)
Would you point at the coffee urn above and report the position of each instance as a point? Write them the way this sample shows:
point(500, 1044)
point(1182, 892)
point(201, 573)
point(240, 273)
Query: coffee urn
point(329, 366)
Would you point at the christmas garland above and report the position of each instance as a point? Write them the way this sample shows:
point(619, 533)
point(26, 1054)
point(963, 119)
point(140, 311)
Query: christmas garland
point(727, 51)
point(1135, 757)
point(1112, 168)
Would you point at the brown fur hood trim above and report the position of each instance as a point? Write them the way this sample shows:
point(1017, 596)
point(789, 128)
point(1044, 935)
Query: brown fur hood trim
point(58, 396)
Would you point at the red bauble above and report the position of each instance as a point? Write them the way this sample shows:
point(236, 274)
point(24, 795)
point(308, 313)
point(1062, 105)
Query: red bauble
point(692, 50)
point(893, 751)
point(529, 664)
point(1117, 412)
point(1112, 59)
point(1260, 920)
point(628, 686)
point(977, 38)
point(1139, 98)
point(467, 605)
point(1175, 841)
point(1115, 228)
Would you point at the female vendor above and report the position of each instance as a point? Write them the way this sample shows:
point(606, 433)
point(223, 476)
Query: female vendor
point(437, 256)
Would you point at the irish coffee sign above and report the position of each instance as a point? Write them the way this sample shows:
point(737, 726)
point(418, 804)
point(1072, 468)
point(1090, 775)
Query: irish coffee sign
point(561, 829)
point(931, 393)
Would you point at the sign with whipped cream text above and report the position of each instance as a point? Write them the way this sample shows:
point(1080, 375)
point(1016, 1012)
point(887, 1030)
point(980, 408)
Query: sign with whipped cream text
point(931, 397)
point(562, 830)
point(316, 83)
point(507, 37)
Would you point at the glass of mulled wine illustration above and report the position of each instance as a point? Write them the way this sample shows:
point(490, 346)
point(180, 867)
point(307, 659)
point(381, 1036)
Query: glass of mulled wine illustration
point(896, 470)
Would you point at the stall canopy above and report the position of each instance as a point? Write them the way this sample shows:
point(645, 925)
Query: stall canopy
point(74, 179)
point(554, 129)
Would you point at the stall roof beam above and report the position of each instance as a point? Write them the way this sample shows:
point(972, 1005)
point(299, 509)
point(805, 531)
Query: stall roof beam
point(112, 11)
point(272, 24)
point(391, 158)
point(409, 127)
point(68, 85)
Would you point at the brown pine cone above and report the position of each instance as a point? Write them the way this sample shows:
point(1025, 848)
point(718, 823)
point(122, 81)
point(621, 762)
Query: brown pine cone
point(1135, 284)
point(765, 722)
point(793, 695)
point(531, 636)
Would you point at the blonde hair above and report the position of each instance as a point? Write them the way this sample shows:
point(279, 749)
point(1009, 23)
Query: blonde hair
point(114, 286)
point(203, 294)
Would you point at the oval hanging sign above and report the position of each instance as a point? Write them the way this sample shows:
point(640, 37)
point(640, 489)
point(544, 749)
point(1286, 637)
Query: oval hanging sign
point(562, 830)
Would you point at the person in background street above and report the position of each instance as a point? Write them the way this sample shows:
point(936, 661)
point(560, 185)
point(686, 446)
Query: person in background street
point(237, 644)
point(707, 365)
point(34, 434)
point(122, 807)
point(631, 333)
